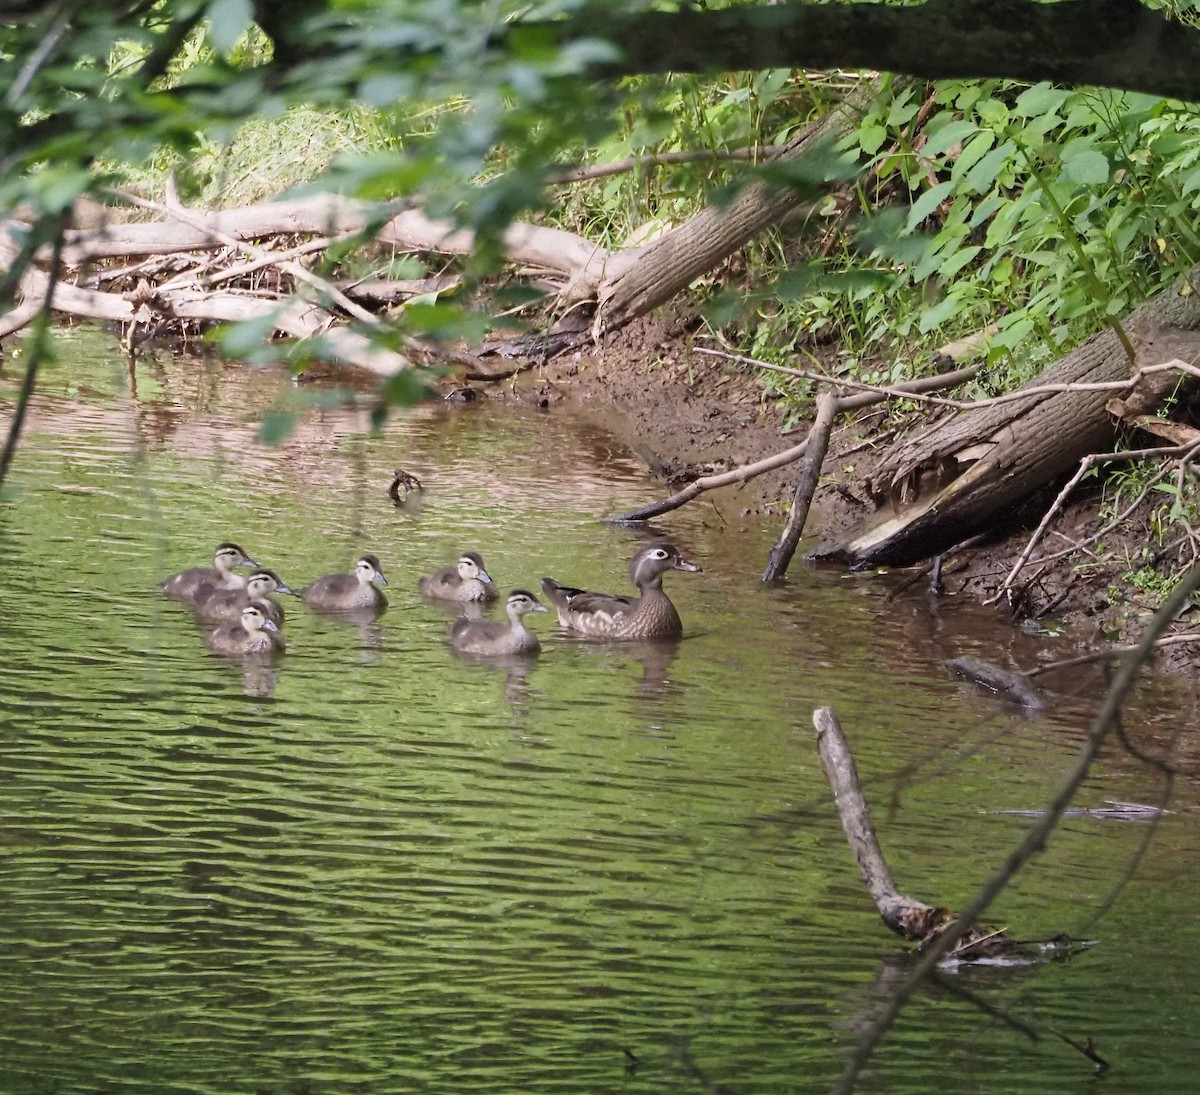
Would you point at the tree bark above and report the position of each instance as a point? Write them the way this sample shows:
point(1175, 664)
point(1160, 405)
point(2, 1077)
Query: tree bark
point(1111, 43)
point(956, 478)
point(676, 259)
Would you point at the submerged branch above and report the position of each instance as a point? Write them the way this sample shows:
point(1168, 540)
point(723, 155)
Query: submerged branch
point(1035, 840)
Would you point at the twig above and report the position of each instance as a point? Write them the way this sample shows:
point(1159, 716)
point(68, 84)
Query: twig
point(959, 404)
point(29, 380)
point(787, 456)
point(1085, 465)
point(631, 163)
point(1109, 655)
point(806, 484)
point(38, 57)
point(1035, 840)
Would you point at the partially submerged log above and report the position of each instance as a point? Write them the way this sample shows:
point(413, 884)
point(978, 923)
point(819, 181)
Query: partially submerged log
point(962, 474)
point(911, 919)
point(1016, 687)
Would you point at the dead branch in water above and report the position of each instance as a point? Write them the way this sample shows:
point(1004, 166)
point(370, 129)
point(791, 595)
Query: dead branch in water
point(1112, 653)
point(1035, 839)
point(1014, 686)
point(907, 917)
point(806, 484)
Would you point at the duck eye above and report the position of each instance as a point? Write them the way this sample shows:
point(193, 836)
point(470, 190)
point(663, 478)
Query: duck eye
point(660, 554)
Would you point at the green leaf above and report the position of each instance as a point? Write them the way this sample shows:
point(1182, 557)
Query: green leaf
point(982, 177)
point(1191, 182)
point(228, 20)
point(276, 426)
point(1090, 168)
point(871, 138)
point(973, 151)
point(948, 136)
point(1040, 99)
point(927, 203)
point(957, 261)
point(940, 313)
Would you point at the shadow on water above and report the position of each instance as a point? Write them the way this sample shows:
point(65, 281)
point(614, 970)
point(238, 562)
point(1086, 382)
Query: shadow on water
point(375, 866)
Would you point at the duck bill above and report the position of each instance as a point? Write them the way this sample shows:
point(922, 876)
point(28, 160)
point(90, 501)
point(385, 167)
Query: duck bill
point(484, 577)
point(380, 578)
point(249, 564)
point(683, 564)
point(270, 625)
point(281, 588)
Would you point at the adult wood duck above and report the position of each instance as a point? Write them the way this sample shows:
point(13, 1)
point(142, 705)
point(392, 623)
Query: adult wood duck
point(348, 592)
point(605, 616)
point(489, 637)
point(184, 585)
point(253, 633)
point(465, 582)
point(226, 604)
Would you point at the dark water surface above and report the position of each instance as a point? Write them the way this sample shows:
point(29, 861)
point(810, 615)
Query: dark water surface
point(378, 868)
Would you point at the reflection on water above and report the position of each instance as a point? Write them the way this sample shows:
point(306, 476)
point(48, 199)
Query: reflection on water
point(376, 866)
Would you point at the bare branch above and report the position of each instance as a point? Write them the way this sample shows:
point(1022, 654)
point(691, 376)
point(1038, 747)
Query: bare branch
point(1035, 840)
point(749, 471)
point(659, 159)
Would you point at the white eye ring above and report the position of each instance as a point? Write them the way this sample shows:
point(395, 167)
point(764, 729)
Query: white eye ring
point(660, 554)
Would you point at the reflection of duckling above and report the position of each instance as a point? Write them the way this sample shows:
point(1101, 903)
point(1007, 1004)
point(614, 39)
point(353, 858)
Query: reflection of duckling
point(402, 484)
point(605, 616)
point(492, 638)
point(348, 592)
point(255, 633)
point(466, 581)
point(227, 604)
point(184, 585)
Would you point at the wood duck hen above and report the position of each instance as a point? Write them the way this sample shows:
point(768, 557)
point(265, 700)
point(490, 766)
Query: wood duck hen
point(608, 616)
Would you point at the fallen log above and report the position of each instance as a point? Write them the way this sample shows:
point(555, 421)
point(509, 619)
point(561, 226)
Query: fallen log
point(961, 475)
point(1016, 687)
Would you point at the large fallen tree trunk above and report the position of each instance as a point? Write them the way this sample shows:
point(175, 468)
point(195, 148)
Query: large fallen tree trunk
point(962, 474)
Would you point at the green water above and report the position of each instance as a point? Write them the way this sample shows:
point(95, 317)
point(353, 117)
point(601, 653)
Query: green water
point(374, 867)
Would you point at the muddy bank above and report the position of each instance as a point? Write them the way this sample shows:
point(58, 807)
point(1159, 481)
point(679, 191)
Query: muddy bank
point(688, 414)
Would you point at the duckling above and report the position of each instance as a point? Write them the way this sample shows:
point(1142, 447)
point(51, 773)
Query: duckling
point(184, 585)
point(491, 638)
point(255, 633)
point(226, 604)
point(466, 581)
point(348, 592)
point(605, 616)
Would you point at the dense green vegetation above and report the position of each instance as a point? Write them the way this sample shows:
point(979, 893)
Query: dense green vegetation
point(1042, 210)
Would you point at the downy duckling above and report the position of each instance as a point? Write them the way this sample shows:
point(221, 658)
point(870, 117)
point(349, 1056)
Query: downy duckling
point(184, 585)
point(226, 604)
point(348, 592)
point(466, 581)
point(605, 616)
point(254, 633)
point(491, 638)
